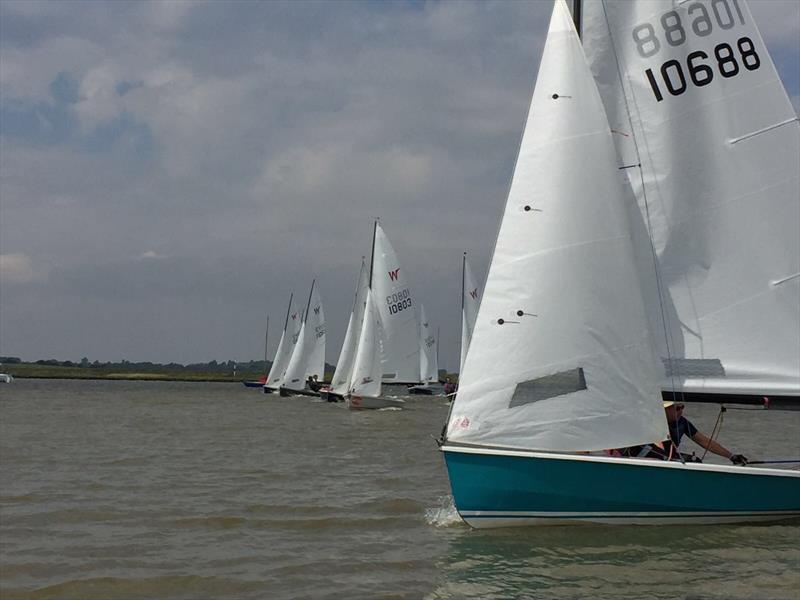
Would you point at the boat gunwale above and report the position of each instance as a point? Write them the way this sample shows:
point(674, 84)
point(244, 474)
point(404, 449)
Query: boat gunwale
point(617, 460)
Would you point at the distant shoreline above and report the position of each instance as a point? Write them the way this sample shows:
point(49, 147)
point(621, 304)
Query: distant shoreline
point(33, 371)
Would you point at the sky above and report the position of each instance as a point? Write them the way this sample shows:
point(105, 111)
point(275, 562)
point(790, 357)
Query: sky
point(171, 171)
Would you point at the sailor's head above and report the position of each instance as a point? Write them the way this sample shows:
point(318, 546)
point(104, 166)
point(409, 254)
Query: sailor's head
point(673, 410)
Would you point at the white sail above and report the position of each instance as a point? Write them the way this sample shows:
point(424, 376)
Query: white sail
point(315, 324)
point(561, 356)
point(710, 142)
point(366, 377)
point(340, 383)
point(289, 337)
point(307, 348)
point(397, 309)
point(428, 362)
point(470, 301)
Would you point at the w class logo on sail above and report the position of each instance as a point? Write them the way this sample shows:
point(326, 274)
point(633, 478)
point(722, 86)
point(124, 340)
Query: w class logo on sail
point(474, 294)
point(393, 275)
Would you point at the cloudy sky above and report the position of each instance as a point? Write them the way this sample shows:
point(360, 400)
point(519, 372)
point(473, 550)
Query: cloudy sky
point(171, 171)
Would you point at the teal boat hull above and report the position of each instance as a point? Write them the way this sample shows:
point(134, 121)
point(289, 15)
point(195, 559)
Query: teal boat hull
point(502, 488)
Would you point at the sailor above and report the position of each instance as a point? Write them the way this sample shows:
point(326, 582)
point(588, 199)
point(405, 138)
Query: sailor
point(678, 427)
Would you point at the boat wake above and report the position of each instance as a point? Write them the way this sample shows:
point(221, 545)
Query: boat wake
point(444, 515)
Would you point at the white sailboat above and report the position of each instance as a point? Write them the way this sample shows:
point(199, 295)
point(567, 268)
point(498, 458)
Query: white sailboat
point(289, 336)
point(369, 365)
point(470, 301)
point(428, 359)
point(340, 383)
point(308, 359)
point(563, 360)
point(397, 309)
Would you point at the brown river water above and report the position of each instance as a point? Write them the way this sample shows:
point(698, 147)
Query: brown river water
point(139, 490)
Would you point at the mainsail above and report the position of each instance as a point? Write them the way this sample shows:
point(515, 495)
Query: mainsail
point(470, 301)
point(397, 309)
point(561, 356)
point(428, 361)
point(308, 358)
point(711, 145)
point(366, 377)
point(340, 384)
point(291, 331)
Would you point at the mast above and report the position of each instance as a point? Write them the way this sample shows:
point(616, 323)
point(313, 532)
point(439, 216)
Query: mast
point(266, 341)
point(308, 304)
point(372, 254)
point(463, 280)
point(288, 310)
point(577, 15)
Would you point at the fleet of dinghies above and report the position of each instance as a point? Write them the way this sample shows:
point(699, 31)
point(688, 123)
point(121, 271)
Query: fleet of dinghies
point(387, 343)
point(655, 254)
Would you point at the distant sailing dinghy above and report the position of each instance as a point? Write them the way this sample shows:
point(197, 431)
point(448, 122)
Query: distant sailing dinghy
point(428, 359)
point(562, 364)
point(365, 381)
point(340, 383)
point(291, 332)
point(308, 359)
point(397, 309)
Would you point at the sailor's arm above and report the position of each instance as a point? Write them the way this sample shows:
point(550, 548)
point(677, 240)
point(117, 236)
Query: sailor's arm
point(717, 448)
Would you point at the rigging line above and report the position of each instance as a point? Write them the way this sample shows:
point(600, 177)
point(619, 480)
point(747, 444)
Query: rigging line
point(785, 279)
point(659, 281)
point(714, 431)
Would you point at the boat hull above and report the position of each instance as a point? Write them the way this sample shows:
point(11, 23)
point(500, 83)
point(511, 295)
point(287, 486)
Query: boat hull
point(427, 389)
point(253, 384)
point(367, 403)
point(286, 392)
point(329, 396)
point(504, 488)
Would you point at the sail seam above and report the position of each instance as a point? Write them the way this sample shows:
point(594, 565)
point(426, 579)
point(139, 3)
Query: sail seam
point(764, 130)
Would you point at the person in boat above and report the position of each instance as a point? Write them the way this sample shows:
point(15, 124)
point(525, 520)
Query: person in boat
point(678, 427)
point(449, 386)
point(313, 384)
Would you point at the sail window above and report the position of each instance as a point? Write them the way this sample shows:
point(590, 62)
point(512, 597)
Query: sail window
point(693, 367)
point(389, 375)
point(549, 386)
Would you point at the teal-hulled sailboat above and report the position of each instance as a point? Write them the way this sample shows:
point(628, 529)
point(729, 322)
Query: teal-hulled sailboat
point(577, 324)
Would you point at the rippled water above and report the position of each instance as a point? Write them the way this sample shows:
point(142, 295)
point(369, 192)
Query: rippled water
point(188, 491)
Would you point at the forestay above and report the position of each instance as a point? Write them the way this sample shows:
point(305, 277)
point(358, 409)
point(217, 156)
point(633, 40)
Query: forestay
point(291, 331)
point(340, 383)
point(428, 361)
point(397, 310)
point(366, 377)
point(470, 301)
point(694, 98)
point(561, 355)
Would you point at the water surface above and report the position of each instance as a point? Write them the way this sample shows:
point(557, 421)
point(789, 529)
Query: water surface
point(118, 490)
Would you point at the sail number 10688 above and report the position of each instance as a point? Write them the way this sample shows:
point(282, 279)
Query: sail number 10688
point(727, 62)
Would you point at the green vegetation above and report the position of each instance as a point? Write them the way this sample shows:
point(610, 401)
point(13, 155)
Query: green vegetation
point(84, 369)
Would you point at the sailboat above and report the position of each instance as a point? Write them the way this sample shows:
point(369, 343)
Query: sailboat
point(340, 383)
point(307, 363)
point(396, 306)
point(470, 301)
point(564, 359)
point(262, 381)
point(428, 359)
point(375, 341)
point(289, 336)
